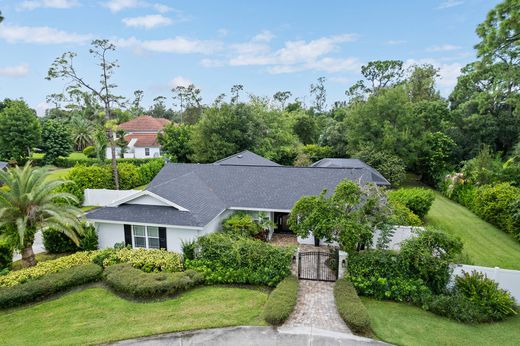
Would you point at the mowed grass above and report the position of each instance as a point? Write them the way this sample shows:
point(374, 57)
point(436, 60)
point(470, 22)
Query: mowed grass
point(95, 315)
point(58, 173)
point(485, 244)
point(403, 324)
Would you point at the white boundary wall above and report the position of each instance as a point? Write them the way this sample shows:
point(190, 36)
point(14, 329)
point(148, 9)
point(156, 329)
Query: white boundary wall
point(103, 197)
point(506, 278)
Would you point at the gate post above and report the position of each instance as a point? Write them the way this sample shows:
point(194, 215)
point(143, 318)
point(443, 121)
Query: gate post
point(342, 264)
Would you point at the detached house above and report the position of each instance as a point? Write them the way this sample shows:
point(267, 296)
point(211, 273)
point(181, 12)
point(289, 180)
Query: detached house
point(185, 201)
point(141, 136)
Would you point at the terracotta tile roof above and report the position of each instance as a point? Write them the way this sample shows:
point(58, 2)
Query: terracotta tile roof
point(144, 123)
point(143, 139)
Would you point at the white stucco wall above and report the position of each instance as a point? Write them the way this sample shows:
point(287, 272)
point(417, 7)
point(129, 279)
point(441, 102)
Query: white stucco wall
point(147, 200)
point(175, 237)
point(109, 234)
point(135, 153)
point(214, 225)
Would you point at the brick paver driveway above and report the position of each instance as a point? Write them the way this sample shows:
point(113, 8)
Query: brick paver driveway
point(316, 308)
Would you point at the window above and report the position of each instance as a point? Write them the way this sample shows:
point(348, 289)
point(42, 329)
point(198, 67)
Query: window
point(146, 151)
point(145, 236)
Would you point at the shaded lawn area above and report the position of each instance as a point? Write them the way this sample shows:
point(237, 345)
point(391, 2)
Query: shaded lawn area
point(404, 324)
point(95, 315)
point(485, 244)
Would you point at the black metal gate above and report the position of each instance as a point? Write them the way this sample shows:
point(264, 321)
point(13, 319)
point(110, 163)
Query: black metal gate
point(322, 266)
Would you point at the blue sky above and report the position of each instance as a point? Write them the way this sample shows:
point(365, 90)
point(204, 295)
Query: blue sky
point(265, 45)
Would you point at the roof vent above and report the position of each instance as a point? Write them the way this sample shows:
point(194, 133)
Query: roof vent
point(239, 156)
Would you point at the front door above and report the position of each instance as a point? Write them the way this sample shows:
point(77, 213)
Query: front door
point(280, 219)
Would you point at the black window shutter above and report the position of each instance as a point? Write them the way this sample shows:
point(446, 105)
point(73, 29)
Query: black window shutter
point(162, 238)
point(128, 235)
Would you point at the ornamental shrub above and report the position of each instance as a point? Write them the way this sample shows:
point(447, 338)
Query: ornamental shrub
point(454, 306)
point(494, 203)
point(6, 256)
point(241, 224)
point(350, 308)
point(129, 176)
point(228, 259)
point(125, 279)
point(49, 284)
point(281, 301)
point(494, 303)
point(403, 216)
point(57, 242)
point(89, 239)
point(150, 169)
point(465, 194)
point(87, 177)
point(418, 200)
point(43, 268)
point(89, 151)
point(146, 260)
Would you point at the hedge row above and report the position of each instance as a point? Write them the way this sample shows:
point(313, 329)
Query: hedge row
point(350, 308)
point(281, 301)
point(65, 162)
point(47, 285)
point(418, 200)
point(125, 279)
point(149, 261)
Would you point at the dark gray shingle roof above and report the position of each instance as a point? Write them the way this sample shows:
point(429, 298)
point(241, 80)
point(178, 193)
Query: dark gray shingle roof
point(377, 177)
point(3, 164)
point(246, 158)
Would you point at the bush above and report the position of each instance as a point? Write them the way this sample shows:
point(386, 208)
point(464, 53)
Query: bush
point(389, 165)
point(67, 162)
point(418, 200)
point(125, 279)
point(350, 307)
point(495, 304)
point(129, 176)
point(43, 268)
point(49, 284)
point(188, 249)
point(229, 260)
point(88, 177)
point(493, 203)
point(146, 260)
point(6, 256)
point(454, 306)
point(241, 224)
point(57, 242)
point(403, 216)
point(465, 194)
point(281, 301)
point(150, 169)
point(90, 152)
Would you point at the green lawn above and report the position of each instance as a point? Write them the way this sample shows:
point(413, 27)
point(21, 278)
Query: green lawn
point(95, 315)
point(403, 324)
point(485, 244)
point(58, 173)
point(77, 155)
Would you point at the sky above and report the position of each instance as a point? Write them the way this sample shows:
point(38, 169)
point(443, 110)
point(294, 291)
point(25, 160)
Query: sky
point(265, 45)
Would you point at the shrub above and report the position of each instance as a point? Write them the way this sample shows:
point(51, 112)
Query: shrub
point(241, 224)
point(494, 204)
point(281, 301)
point(43, 268)
point(89, 151)
point(57, 242)
point(389, 165)
point(454, 306)
point(129, 176)
point(125, 279)
point(87, 177)
point(229, 260)
point(465, 194)
point(418, 200)
point(6, 256)
point(350, 307)
point(494, 303)
point(403, 216)
point(146, 260)
point(188, 249)
point(150, 169)
point(49, 284)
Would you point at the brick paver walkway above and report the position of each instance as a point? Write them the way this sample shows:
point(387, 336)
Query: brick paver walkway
point(316, 308)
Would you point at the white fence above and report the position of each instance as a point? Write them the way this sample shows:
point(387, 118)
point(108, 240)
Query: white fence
point(506, 278)
point(103, 197)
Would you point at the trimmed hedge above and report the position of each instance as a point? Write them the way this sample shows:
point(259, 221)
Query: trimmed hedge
point(65, 162)
point(350, 307)
point(43, 268)
point(125, 279)
point(146, 260)
point(417, 199)
point(281, 301)
point(47, 285)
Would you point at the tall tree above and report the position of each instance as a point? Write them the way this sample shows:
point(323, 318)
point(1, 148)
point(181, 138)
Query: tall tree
point(81, 130)
point(30, 204)
point(188, 99)
point(175, 142)
point(382, 74)
point(235, 92)
point(281, 97)
point(20, 130)
point(319, 93)
point(421, 83)
point(64, 68)
point(137, 107)
point(56, 140)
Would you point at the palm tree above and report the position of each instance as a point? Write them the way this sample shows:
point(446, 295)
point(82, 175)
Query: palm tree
point(82, 130)
point(29, 202)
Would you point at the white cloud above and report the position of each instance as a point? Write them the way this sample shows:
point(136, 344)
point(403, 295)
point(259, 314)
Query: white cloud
point(449, 4)
point(40, 35)
point(120, 5)
point(264, 36)
point(179, 81)
point(148, 22)
point(41, 108)
point(60, 4)
point(178, 44)
point(14, 71)
point(395, 42)
point(443, 48)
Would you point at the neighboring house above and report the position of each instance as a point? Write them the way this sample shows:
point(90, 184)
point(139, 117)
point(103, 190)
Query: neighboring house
point(185, 201)
point(141, 136)
point(351, 163)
